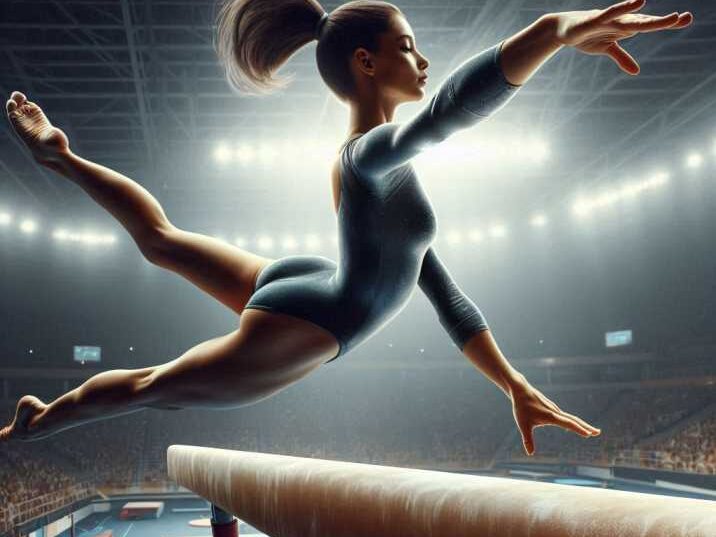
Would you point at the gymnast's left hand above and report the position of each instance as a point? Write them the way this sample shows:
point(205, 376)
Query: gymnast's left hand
point(597, 31)
point(531, 408)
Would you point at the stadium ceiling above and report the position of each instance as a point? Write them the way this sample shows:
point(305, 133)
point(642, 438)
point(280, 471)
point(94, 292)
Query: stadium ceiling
point(137, 82)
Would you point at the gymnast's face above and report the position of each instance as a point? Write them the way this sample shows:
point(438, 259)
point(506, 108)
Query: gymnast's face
point(397, 70)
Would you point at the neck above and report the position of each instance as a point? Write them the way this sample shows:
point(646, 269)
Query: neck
point(367, 113)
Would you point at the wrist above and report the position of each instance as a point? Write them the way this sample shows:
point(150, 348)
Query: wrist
point(550, 23)
point(515, 383)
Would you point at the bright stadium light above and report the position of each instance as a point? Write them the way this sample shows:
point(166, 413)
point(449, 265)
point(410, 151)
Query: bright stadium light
point(241, 242)
point(475, 235)
point(265, 243)
point(582, 207)
point(498, 230)
point(289, 243)
point(694, 160)
point(660, 178)
point(222, 153)
point(60, 234)
point(245, 153)
point(538, 220)
point(91, 238)
point(28, 226)
point(267, 152)
point(538, 151)
point(313, 243)
point(5, 219)
point(453, 237)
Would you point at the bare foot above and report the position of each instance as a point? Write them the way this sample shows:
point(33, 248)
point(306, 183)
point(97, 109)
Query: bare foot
point(29, 408)
point(45, 142)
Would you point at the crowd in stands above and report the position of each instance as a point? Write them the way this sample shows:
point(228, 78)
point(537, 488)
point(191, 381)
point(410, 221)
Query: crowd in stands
point(418, 418)
point(693, 449)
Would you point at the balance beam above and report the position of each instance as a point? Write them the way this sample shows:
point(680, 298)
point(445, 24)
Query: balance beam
point(298, 497)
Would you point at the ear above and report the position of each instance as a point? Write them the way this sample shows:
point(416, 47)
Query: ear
point(364, 61)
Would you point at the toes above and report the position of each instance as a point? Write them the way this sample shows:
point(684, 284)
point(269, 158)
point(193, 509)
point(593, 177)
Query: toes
point(18, 97)
point(10, 106)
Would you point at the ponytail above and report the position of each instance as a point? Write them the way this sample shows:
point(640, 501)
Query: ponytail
point(256, 37)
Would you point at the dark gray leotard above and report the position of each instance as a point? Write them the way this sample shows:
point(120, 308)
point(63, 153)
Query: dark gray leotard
point(386, 224)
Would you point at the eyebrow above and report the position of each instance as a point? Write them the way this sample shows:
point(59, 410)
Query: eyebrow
point(405, 35)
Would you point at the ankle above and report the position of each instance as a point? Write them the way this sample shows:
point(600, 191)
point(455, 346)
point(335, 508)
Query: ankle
point(56, 161)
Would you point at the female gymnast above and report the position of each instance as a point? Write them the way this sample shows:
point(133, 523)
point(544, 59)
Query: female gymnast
point(300, 311)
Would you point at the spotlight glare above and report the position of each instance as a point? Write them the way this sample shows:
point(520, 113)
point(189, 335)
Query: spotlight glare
point(498, 230)
point(581, 208)
point(5, 219)
point(453, 237)
point(60, 235)
point(538, 220)
point(289, 243)
point(245, 153)
point(313, 242)
point(474, 235)
point(265, 243)
point(222, 153)
point(241, 242)
point(267, 152)
point(694, 160)
point(28, 226)
point(539, 151)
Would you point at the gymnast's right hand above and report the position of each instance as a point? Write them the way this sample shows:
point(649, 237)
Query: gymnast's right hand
point(531, 409)
point(46, 142)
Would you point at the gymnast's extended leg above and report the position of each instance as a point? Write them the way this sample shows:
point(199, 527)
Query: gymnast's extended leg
point(226, 272)
point(269, 353)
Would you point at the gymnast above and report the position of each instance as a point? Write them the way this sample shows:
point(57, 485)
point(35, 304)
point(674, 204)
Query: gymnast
point(301, 311)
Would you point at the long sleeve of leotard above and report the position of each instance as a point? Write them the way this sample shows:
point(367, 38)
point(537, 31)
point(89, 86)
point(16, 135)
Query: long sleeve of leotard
point(473, 91)
point(459, 315)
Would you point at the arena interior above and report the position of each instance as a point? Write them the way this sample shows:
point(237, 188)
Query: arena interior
point(580, 219)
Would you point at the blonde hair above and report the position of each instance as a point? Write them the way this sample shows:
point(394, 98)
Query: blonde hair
point(256, 37)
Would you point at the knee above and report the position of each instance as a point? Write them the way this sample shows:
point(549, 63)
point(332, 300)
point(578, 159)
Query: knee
point(158, 242)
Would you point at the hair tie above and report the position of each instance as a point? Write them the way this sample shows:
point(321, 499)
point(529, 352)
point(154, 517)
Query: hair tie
point(319, 25)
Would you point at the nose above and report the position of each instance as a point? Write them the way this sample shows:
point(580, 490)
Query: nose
point(424, 63)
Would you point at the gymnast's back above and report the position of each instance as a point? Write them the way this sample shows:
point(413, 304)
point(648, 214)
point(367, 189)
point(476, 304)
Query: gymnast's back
point(386, 223)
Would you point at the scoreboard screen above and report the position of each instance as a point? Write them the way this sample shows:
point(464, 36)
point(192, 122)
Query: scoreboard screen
point(618, 339)
point(88, 354)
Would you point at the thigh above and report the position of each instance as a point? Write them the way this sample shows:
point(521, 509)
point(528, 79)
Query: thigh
point(226, 272)
point(268, 353)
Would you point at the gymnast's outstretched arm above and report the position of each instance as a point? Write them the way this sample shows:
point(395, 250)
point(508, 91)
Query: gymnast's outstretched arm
point(467, 327)
point(465, 324)
point(484, 83)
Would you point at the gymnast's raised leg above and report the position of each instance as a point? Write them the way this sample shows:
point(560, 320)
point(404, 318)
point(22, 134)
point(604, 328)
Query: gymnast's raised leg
point(269, 353)
point(224, 271)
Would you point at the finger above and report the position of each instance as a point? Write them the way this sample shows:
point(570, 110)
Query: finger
point(528, 439)
point(652, 24)
point(685, 19)
point(567, 423)
point(622, 8)
point(623, 59)
point(595, 430)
